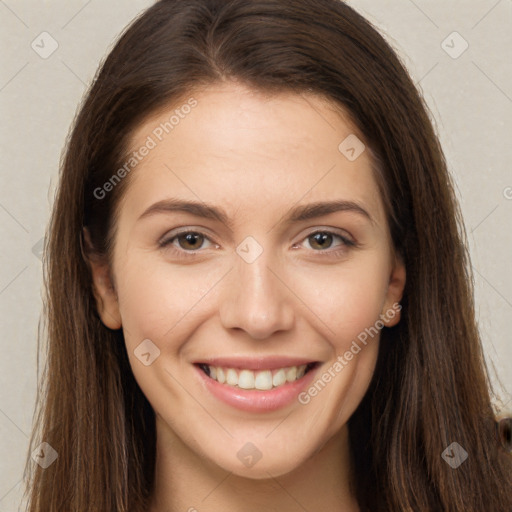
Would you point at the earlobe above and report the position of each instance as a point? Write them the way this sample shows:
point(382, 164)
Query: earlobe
point(103, 289)
point(390, 314)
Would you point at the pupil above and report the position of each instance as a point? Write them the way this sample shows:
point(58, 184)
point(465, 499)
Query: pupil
point(321, 237)
point(190, 238)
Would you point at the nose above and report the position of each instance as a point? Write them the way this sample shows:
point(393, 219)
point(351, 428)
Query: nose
point(256, 298)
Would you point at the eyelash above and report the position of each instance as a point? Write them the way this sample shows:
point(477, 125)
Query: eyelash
point(346, 243)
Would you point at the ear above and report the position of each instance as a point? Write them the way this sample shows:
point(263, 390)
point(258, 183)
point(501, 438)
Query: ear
point(103, 288)
point(390, 314)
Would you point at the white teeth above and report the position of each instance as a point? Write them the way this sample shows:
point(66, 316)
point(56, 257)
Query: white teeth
point(291, 374)
point(279, 378)
point(245, 379)
point(231, 377)
point(262, 380)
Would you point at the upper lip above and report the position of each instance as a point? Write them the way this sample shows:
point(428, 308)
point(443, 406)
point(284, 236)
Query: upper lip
point(255, 363)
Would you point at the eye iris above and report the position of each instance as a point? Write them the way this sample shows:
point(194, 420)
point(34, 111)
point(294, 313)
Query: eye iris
point(189, 237)
point(192, 238)
point(321, 237)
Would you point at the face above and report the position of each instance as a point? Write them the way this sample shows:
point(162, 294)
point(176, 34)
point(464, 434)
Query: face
point(251, 285)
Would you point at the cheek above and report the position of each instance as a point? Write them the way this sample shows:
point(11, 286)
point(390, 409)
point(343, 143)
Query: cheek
point(156, 297)
point(346, 299)
point(336, 304)
point(349, 307)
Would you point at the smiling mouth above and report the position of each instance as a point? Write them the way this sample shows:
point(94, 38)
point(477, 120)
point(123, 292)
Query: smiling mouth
point(262, 380)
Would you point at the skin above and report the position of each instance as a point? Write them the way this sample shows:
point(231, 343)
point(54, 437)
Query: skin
point(256, 157)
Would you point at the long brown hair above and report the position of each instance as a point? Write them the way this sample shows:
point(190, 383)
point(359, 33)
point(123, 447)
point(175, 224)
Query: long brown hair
point(431, 385)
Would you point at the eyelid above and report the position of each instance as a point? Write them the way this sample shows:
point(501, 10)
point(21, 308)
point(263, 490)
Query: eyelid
point(338, 251)
point(342, 233)
point(347, 241)
point(171, 235)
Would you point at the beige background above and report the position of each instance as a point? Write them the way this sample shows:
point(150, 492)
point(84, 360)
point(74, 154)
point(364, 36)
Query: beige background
point(470, 98)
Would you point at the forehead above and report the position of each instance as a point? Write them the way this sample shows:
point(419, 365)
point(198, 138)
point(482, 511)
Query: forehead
point(250, 152)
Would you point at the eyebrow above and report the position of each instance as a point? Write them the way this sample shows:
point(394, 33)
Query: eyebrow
point(296, 214)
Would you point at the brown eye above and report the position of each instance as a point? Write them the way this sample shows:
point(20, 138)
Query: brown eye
point(187, 242)
point(324, 240)
point(191, 240)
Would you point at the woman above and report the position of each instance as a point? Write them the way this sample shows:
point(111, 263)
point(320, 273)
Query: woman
point(206, 350)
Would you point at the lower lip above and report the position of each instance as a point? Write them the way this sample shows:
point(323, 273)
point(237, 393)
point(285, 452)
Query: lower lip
point(253, 400)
